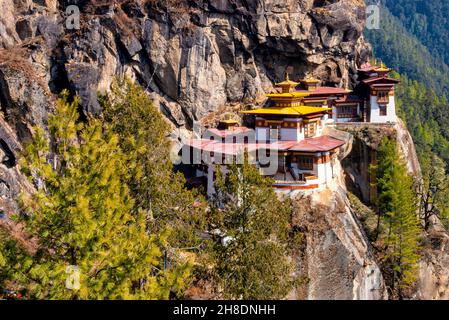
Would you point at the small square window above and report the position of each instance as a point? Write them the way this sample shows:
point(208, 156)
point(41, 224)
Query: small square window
point(305, 163)
point(383, 110)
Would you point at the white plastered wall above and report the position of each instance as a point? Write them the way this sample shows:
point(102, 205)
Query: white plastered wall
point(375, 111)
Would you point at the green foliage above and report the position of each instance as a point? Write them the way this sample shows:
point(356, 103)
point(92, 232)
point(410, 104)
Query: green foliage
point(398, 211)
point(367, 216)
point(13, 258)
point(413, 39)
point(426, 115)
point(254, 263)
point(157, 190)
point(427, 20)
point(82, 215)
point(400, 49)
point(434, 190)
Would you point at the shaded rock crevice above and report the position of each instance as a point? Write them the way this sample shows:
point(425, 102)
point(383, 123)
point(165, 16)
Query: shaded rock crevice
point(337, 258)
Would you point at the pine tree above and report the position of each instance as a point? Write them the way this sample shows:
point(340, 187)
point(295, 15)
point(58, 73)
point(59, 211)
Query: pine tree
point(158, 191)
point(398, 210)
point(253, 262)
point(82, 219)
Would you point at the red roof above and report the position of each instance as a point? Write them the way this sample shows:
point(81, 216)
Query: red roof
point(323, 144)
point(381, 79)
point(319, 144)
point(349, 99)
point(325, 91)
point(366, 67)
point(229, 132)
point(220, 147)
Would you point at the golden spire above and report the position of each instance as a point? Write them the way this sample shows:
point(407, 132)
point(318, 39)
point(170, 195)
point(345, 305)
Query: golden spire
point(383, 68)
point(310, 83)
point(287, 85)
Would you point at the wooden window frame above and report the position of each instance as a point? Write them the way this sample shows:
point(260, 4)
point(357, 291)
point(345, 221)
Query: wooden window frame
point(305, 162)
point(347, 112)
point(383, 97)
point(310, 133)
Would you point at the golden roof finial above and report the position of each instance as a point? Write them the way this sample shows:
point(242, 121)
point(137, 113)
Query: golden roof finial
point(382, 68)
point(287, 85)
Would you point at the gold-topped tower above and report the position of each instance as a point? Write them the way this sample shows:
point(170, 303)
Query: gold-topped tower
point(310, 83)
point(382, 69)
point(287, 85)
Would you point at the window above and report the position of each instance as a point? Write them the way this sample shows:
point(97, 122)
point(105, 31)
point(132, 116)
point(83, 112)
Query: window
point(305, 163)
point(310, 129)
point(382, 97)
point(347, 112)
point(383, 110)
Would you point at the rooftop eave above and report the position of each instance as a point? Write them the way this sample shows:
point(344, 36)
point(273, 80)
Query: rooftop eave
point(288, 95)
point(288, 111)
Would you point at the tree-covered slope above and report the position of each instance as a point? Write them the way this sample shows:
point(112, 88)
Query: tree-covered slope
point(402, 50)
point(413, 39)
point(402, 43)
point(426, 115)
point(428, 20)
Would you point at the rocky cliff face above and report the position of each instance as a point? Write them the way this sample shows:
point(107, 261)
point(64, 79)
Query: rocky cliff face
point(366, 142)
point(337, 259)
point(199, 60)
point(433, 278)
point(195, 58)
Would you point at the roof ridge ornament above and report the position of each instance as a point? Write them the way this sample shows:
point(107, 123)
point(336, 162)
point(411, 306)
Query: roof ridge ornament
point(287, 85)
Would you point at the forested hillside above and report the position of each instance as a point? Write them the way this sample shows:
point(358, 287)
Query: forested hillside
point(426, 115)
point(426, 19)
point(402, 50)
point(411, 39)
